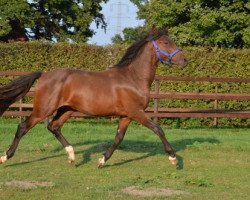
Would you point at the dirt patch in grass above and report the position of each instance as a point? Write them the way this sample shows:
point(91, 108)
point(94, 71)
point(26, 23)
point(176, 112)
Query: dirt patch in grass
point(149, 192)
point(28, 184)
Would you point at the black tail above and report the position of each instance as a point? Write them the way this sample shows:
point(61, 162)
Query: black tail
point(16, 89)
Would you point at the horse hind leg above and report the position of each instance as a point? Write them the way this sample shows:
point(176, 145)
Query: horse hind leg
point(54, 127)
point(22, 129)
point(38, 114)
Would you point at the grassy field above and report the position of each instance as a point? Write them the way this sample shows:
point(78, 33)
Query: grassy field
point(214, 164)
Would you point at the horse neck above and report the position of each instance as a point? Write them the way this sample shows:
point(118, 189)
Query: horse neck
point(144, 66)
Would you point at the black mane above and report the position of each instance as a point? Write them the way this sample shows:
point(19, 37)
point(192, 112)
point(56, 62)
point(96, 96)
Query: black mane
point(135, 49)
point(131, 52)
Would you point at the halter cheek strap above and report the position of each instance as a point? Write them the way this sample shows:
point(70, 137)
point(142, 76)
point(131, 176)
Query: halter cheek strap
point(160, 52)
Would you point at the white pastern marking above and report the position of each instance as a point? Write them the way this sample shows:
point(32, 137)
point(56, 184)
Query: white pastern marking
point(171, 158)
point(102, 161)
point(3, 159)
point(70, 151)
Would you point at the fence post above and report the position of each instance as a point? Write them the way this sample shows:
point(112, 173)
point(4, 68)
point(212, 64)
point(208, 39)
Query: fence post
point(216, 106)
point(20, 109)
point(156, 101)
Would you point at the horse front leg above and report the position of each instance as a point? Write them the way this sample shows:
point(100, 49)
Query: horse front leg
point(121, 130)
point(54, 127)
point(141, 118)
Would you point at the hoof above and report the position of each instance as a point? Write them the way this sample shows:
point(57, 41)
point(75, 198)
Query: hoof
point(3, 159)
point(70, 161)
point(172, 160)
point(101, 162)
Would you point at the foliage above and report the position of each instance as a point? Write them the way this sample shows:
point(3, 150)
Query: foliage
point(51, 19)
point(203, 62)
point(40, 55)
point(200, 22)
point(130, 35)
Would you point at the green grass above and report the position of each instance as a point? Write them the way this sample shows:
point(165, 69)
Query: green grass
point(214, 163)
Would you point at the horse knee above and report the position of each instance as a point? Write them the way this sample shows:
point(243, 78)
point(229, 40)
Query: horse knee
point(21, 129)
point(158, 130)
point(22, 126)
point(51, 126)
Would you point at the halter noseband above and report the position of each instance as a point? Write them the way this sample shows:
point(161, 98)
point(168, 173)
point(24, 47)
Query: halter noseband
point(169, 56)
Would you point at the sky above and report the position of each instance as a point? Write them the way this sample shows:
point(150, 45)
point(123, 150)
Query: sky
point(119, 14)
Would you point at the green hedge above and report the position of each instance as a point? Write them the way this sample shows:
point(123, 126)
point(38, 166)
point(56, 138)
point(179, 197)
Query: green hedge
point(203, 62)
point(209, 62)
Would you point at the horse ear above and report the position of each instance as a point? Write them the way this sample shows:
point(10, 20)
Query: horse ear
point(163, 31)
point(155, 30)
point(166, 31)
point(144, 34)
point(154, 33)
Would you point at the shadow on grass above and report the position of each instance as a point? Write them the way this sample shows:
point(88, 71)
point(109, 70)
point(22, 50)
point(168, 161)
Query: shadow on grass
point(149, 148)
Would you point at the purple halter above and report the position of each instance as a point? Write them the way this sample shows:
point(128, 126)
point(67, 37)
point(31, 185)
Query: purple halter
point(159, 52)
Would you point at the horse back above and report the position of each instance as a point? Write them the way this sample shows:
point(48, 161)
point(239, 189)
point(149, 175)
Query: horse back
point(109, 92)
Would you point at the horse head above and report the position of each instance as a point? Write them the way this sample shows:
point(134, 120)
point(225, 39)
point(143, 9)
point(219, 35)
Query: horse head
point(166, 50)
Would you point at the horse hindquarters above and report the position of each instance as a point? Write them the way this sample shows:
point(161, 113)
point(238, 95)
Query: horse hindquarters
point(45, 104)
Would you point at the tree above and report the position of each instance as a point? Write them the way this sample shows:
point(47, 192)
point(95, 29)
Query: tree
point(224, 23)
point(130, 35)
point(60, 20)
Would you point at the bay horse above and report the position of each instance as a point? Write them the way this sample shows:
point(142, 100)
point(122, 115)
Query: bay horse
point(122, 90)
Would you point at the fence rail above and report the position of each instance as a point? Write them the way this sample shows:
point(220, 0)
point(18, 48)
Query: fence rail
point(24, 109)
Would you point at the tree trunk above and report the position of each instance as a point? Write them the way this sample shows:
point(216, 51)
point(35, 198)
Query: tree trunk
point(17, 32)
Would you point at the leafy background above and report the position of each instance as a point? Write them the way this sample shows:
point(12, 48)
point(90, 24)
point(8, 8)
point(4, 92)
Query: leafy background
point(203, 62)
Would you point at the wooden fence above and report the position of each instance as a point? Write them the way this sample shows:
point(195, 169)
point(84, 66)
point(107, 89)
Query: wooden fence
point(24, 109)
